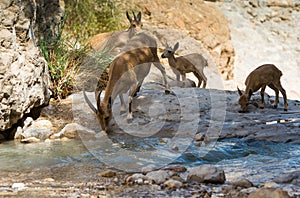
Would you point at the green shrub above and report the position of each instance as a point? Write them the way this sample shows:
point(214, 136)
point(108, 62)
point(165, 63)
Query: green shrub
point(63, 59)
point(86, 18)
point(66, 51)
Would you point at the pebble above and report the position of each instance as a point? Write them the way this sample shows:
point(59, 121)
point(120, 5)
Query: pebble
point(242, 182)
point(18, 186)
point(108, 173)
point(30, 140)
point(158, 177)
point(171, 183)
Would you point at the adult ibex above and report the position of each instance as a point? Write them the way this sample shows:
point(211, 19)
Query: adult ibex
point(185, 64)
point(116, 41)
point(114, 46)
point(265, 75)
point(126, 73)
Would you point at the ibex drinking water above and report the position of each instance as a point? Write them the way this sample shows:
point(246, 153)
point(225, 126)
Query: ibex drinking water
point(186, 64)
point(265, 75)
point(126, 73)
point(114, 45)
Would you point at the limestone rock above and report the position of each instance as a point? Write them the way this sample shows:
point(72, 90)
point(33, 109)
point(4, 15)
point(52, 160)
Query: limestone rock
point(136, 178)
point(30, 140)
point(41, 129)
point(158, 177)
point(24, 77)
point(73, 130)
point(293, 178)
point(242, 182)
point(269, 193)
point(206, 174)
point(171, 183)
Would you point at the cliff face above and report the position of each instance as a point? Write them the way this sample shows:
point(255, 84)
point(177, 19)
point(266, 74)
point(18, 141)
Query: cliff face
point(24, 78)
point(200, 20)
point(265, 31)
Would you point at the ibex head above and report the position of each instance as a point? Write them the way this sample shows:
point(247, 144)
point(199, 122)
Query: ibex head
point(244, 100)
point(169, 51)
point(103, 111)
point(135, 23)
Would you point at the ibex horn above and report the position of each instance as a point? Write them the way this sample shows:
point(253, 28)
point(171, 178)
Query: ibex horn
point(98, 99)
point(134, 16)
point(89, 102)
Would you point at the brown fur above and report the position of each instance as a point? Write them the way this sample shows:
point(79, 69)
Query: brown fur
point(265, 75)
point(185, 64)
point(126, 73)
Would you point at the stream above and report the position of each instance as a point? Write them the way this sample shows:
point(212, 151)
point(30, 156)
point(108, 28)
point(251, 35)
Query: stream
point(257, 161)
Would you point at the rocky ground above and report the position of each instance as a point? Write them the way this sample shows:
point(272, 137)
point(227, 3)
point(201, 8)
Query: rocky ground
point(215, 116)
point(217, 119)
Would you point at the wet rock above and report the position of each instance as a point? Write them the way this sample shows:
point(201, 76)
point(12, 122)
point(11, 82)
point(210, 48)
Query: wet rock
point(175, 168)
point(148, 168)
point(40, 129)
point(269, 193)
point(30, 140)
point(108, 173)
point(171, 183)
point(206, 174)
point(73, 130)
point(242, 182)
point(158, 177)
point(292, 178)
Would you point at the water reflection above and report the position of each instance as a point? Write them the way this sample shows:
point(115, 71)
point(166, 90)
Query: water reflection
point(257, 161)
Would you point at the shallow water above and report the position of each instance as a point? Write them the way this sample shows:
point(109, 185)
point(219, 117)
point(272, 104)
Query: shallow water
point(257, 161)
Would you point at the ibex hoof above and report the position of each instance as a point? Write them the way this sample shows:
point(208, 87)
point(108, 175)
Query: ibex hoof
point(129, 120)
point(167, 91)
point(285, 109)
point(275, 106)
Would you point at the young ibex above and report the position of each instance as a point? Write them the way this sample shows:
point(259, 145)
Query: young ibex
point(265, 75)
point(185, 64)
point(126, 73)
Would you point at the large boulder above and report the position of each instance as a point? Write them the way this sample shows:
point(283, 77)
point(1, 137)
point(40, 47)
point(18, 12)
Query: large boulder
point(24, 77)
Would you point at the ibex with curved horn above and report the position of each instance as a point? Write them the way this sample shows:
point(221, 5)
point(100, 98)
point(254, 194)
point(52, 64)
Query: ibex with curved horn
point(116, 41)
point(127, 73)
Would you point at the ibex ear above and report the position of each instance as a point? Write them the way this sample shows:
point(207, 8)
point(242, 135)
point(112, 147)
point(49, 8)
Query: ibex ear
point(167, 44)
point(128, 17)
point(176, 46)
point(240, 92)
point(139, 16)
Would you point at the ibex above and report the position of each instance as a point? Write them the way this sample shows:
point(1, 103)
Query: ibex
point(118, 40)
point(126, 73)
point(185, 64)
point(265, 75)
point(114, 45)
